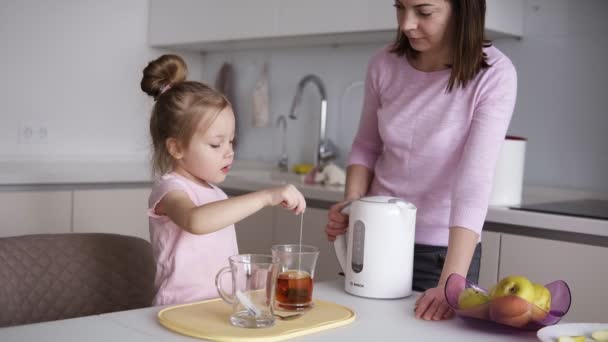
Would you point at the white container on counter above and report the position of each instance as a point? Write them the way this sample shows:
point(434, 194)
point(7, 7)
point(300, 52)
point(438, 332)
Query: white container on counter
point(509, 176)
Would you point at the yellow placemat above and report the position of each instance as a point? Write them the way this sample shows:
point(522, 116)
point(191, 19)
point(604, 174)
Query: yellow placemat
point(210, 320)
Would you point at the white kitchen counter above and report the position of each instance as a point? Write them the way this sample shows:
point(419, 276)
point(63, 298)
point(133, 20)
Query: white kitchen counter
point(27, 173)
point(376, 320)
point(251, 176)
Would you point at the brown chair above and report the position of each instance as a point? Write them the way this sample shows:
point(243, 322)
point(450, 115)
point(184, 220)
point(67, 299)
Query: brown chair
point(55, 276)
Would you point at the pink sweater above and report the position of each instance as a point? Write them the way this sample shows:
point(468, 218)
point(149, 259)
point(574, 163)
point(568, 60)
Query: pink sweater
point(435, 149)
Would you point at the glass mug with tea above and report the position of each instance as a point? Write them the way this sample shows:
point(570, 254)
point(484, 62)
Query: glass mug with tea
point(296, 274)
point(253, 287)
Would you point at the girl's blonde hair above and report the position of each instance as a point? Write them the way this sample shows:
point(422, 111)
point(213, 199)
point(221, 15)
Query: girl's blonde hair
point(180, 106)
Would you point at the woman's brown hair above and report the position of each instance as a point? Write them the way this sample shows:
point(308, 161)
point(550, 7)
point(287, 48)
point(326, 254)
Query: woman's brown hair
point(180, 106)
point(468, 42)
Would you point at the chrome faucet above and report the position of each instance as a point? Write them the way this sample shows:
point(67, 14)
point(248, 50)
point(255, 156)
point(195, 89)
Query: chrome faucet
point(283, 161)
point(325, 148)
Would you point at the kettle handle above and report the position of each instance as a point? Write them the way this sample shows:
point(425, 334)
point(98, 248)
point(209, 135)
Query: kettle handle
point(340, 243)
point(340, 248)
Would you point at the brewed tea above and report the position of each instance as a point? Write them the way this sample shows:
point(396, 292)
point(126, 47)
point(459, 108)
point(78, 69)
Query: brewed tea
point(294, 289)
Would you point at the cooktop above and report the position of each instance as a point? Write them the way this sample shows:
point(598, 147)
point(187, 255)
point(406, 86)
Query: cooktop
point(589, 208)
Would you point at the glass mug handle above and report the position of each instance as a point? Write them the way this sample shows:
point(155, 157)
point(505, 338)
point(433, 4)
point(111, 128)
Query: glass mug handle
point(218, 284)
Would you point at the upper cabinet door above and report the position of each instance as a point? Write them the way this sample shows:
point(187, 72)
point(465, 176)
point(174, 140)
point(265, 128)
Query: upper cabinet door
point(505, 17)
point(297, 17)
point(382, 15)
point(375, 21)
point(184, 22)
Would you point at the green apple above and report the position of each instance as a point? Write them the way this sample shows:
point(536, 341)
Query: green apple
point(600, 335)
point(515, 285)
point(470, 298)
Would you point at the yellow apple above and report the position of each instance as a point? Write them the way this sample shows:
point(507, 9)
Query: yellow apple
point(470, 298)
point(542, 302)
point(600, 335)
point(571, 339)
point(514, 285)
point(542, 297)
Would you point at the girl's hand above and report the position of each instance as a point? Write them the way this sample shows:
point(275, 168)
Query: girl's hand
point(288, 197)
point(432, 305)
point(337, 222)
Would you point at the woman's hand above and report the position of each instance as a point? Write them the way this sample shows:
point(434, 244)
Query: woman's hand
point(288, 196)
point(432, 305)
point(337, 222)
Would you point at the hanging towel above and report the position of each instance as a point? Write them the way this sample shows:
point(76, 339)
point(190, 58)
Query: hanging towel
point(224, 83)
point(261, 100)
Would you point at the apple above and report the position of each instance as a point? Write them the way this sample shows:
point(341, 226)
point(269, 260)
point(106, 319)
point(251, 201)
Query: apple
point(514, 285)
point(542, 297)
point(511, 310)
point(600, 335)
point(470, 298)
point(542, 302)
point(538, 314)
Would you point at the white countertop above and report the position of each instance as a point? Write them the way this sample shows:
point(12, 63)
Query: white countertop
point(377, 320)
point(73, 172)
point(254, 175)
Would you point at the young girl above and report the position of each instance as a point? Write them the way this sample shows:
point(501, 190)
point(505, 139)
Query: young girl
point(191, 219)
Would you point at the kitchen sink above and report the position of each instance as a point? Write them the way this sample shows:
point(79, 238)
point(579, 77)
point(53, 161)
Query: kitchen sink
point(265, 175)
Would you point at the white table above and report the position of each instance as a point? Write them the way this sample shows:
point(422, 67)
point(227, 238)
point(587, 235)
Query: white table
point(377, 320)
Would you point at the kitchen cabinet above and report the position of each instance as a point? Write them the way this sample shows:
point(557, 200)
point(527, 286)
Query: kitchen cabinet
point(582, 267)
point(490, 252)
point(209, 25)
point(120, 211)
point(254, 233)
point(296, 17)
point(35, 212)
point(183, 22)
point(287, 231)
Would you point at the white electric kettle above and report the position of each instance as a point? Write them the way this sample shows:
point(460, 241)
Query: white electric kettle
point(377, 251)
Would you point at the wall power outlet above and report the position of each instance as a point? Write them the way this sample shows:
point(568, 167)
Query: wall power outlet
point(33, 134)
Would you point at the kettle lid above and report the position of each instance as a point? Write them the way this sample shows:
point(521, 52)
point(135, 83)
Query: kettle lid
point(387, 199)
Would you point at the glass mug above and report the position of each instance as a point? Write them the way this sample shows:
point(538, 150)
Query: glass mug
point(253, 285)
point(296, 274)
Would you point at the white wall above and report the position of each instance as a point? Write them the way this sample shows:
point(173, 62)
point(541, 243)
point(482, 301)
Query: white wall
point(561, 105)
point(563, 99)
point(342, 70)
point(74, 67)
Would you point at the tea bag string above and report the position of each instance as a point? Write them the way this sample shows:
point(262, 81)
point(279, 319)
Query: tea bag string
point(300, 252)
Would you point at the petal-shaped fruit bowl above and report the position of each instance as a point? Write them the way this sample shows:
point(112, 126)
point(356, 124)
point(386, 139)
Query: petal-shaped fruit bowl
point(509, 310)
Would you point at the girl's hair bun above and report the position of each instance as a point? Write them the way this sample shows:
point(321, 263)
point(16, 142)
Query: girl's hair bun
point(163, 72)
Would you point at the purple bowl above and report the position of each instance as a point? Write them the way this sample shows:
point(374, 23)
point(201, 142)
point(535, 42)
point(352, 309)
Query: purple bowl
point(560, 302)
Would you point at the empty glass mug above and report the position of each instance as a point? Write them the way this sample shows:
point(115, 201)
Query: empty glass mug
point(296, 274)
point(253, 286)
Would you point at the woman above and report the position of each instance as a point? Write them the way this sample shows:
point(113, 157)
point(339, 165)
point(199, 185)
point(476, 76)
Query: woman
point(437, 106)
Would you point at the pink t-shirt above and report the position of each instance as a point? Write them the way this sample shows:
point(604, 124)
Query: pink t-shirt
point(186, 264)
point(435, 149)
